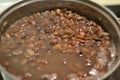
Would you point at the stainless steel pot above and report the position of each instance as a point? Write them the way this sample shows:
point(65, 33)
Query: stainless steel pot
point(91, 10)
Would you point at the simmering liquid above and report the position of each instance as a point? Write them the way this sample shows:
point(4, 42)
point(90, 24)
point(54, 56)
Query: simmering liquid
point(56, 45)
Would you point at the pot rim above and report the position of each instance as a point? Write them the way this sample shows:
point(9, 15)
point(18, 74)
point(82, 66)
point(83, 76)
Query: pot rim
point(91, 4)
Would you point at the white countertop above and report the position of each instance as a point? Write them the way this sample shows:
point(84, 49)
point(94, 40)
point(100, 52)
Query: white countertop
point(108, 2)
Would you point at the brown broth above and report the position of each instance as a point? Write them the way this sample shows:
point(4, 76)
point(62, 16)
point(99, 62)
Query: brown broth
point(55, 45)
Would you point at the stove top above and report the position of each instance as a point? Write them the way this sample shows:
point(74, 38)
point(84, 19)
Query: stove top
point(116, 74)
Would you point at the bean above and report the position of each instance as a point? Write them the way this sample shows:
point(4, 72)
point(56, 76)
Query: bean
point(65, 36)
point(69, 15)
point(40, 60)
point(57, 47)
point(24, 61)
point(7, 35)
point(72, 76)
point(70, 51)
point(17, 52)
point(28, 74)
point(58, 11)
point(29, 53)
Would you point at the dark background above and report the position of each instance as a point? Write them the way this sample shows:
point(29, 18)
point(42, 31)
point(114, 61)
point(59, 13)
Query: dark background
point(116, 74)
point(115, 9)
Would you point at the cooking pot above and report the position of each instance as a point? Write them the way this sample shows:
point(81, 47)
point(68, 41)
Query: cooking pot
point(89, 9)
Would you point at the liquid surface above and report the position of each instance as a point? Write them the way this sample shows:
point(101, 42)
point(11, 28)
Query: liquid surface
point(56, 45)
